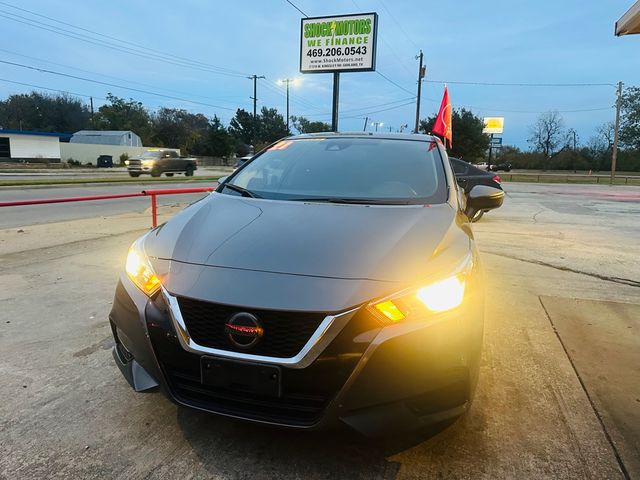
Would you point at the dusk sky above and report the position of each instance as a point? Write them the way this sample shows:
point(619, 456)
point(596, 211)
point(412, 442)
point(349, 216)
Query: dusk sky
point(559, 42)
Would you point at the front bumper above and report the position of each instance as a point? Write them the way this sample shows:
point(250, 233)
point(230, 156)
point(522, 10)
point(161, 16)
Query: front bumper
point(375, 380)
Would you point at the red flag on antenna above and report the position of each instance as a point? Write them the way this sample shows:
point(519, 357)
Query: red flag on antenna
point(443, 121)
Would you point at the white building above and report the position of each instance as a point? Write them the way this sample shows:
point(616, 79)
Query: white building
point(25, 146)
point(107, 137)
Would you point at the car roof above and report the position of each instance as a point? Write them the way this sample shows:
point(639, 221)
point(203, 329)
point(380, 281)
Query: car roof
point(420, 137)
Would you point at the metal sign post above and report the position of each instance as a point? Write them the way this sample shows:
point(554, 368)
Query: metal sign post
point(344, 43)
point(493, 125)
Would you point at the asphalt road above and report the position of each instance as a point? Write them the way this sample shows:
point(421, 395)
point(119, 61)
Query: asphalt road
point(117, 173)
point(558, 394)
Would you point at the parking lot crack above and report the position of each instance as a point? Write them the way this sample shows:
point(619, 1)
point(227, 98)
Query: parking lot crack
point(623, 281)
point(621, 464)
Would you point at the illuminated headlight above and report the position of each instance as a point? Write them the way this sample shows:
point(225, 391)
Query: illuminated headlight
point(435, 297)
point(148, 163)
point(140, 271)
point(126, 162)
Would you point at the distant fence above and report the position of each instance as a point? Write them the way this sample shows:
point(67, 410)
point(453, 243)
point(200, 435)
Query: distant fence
point(569, 178)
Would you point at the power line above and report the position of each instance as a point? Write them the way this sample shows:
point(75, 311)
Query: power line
point(296, 7)
point(394, 83)
point(51, 89)
point(503, 84)
point(117, 39)
point(378, 111)
point(109, 76)
point(363, 109)
point(399, 25)
point(112, 46)
point(40, 87)
point(44, 70)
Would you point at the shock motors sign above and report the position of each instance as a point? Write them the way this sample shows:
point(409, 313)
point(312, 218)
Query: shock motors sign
point(344, 43)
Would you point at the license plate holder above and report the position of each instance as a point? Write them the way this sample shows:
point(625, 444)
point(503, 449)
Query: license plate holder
point(248, 377)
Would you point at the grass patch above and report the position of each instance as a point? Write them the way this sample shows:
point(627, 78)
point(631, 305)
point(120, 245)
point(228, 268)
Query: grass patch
point(71, 181)
point(568, 179)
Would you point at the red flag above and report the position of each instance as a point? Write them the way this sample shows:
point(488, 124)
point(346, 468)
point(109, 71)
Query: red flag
point(443, 121)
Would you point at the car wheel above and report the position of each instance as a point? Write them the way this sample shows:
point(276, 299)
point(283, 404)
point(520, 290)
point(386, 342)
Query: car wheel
point(169, 174)
point(477, 216)
point(155, 173)
point(189, 171)
point(132, 174)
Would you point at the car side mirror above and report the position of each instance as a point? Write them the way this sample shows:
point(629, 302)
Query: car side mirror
point(221, 180)
point(483, 197)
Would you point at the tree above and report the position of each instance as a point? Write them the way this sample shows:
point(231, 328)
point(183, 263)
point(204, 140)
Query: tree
point(179, 128)
point(304, 125)
point(630, 118)
point(469, 142)
point(44, 113)
point(268, 126)
point(547, 134)
point(243, 127)
point(220, 142)
point(121, 114)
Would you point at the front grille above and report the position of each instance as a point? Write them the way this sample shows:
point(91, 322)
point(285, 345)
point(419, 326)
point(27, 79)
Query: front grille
point(292, 408)
point(134, 162)
point(285, 333)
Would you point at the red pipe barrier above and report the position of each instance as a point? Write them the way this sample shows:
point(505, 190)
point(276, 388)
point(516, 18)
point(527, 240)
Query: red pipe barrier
point(145, 193)
point(19, 203)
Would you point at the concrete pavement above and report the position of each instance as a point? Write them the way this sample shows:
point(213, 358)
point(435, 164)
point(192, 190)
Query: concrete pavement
point(556, 342)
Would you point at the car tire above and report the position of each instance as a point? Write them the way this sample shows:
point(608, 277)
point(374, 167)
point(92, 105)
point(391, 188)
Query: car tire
point(189, 171)
point(132, 174)
point(476, 218)
point(169, 174)
point(155, 173)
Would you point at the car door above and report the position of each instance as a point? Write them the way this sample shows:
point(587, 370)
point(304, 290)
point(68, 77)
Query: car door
point(469, 176)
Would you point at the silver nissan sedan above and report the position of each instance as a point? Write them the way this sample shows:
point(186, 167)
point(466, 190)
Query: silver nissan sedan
point(331, 280)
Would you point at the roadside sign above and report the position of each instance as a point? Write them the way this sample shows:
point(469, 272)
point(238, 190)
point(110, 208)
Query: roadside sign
point(496, 141)
point(493, 125)
point(345, 43)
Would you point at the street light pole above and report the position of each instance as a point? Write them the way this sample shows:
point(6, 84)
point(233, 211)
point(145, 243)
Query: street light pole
point(378, 124)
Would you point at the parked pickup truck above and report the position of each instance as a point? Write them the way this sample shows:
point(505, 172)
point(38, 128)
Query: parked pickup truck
point(157, 161)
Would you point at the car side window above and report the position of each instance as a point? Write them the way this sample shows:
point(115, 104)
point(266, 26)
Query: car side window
point(459, 167)
point(173, 154)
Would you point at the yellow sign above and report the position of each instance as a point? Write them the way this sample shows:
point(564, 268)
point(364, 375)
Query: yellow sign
point(493, 125)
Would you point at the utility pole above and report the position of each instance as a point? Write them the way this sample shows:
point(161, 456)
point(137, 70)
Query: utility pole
point(91, 102)
point(287, 81)
point(421, 75)
point(616, 133)
point(255, 96)
point(366, 122)
point(378, 124)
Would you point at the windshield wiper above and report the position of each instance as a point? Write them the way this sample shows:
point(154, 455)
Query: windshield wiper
point(357, 201)
point(243, 191)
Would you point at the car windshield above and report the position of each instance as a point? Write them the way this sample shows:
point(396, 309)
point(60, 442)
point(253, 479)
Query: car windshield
point(151, 154)
point(347, 169)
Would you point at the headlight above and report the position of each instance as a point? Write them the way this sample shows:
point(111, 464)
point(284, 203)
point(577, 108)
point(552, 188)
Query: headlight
point(139, 270)
point(435, 297)
point(126, 162)
point(148, 163)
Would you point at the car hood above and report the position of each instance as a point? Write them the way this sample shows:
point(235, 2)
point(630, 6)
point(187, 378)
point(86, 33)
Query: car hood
point(338, 241)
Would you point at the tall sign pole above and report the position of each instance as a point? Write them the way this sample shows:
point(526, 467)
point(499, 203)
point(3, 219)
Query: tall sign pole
point(616, 134)
point(337, 44)
point(335, 104)
point(421, 73)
